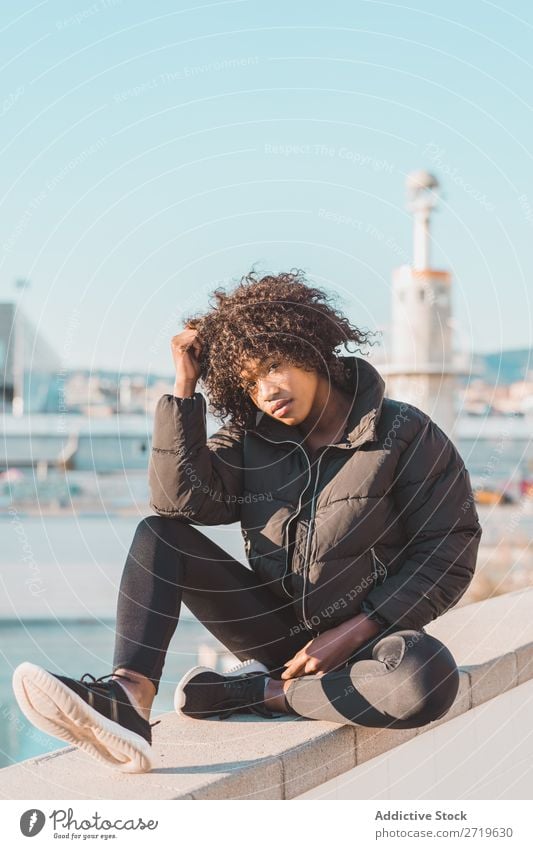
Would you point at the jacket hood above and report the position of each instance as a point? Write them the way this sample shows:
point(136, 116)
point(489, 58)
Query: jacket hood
point(368, 389)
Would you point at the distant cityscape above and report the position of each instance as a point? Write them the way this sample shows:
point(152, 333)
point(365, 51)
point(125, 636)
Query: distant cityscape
point(34, 380)
point(487, 392)
point(103, 393)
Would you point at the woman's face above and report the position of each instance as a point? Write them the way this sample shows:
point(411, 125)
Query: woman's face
point(275, 381)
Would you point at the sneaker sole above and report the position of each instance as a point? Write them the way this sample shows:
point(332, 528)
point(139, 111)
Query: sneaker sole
point(55, 709)
point(179, 695)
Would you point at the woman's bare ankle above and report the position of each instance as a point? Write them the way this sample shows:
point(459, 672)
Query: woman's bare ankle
point(139, 689)
point(275, 695)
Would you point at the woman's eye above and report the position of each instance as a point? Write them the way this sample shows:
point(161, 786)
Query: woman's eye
point(250, 385)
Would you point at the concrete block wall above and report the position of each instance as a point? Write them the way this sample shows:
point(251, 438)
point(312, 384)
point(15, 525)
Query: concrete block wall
point(246, 757)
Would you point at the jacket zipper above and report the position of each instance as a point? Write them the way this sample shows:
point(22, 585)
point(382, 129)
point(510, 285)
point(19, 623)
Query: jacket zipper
point(374, 568)
point(293, 515)
point(307, 624)
point(375, 559)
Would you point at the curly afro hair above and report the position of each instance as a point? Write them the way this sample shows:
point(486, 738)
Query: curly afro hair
point(282, 315)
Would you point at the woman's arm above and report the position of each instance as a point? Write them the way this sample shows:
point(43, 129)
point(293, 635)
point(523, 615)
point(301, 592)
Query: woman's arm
point(189, 475)
point(435, 503)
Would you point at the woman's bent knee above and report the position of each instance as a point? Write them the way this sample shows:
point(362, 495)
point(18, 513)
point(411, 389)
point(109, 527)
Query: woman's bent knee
point(439, 678)
point(158, 544)
point(425, 670)
point(161, 526)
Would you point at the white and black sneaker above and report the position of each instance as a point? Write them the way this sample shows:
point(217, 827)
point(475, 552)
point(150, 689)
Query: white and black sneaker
point(95, 715)
point(203, 693)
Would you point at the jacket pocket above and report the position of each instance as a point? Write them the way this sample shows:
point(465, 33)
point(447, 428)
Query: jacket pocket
point(334, 590)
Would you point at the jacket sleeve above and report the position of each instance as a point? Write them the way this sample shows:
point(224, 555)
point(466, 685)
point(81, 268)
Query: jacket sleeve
point(435, 503)
point(190, 476)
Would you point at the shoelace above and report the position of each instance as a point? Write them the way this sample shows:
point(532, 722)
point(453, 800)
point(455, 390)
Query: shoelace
point(101, 680)
point(238, 666)
point(255, 709)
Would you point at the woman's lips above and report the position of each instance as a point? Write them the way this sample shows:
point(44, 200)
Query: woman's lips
point(281, 411)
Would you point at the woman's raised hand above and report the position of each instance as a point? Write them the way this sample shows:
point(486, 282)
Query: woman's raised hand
point(186, 349)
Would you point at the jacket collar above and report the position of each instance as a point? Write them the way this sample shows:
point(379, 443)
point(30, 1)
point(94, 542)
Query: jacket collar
point(368, 389)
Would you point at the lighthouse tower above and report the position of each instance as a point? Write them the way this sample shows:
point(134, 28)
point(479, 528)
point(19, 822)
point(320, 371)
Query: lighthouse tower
point(420, 369)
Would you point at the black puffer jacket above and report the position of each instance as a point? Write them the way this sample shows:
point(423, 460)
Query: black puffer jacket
point(383, 521)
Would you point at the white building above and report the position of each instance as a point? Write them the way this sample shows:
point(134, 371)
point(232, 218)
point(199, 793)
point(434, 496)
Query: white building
point(420, 370)
point(29, 367)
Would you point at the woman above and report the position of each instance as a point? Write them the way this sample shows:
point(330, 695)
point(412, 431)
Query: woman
point(359, 527)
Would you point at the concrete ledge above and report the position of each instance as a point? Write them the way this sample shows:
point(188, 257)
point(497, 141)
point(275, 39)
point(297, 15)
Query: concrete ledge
point(246, 757)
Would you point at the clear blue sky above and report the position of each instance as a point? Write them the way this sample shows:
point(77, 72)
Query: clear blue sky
point(143, 162)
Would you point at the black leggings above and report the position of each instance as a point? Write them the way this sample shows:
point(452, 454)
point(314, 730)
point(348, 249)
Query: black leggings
point(402, 680)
